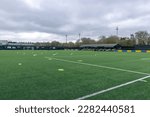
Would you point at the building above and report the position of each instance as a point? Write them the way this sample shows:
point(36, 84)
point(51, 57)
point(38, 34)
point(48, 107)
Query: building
point(6, 45)
point(3, 42)
point(100, 46)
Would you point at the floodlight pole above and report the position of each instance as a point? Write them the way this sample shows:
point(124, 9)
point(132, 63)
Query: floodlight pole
point(66, 38)
point(117, 30)
point(79, 37)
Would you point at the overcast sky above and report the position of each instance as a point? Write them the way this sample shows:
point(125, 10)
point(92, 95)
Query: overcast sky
point(49, 20)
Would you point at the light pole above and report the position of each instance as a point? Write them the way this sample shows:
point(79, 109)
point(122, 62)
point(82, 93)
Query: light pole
point(79, 37)
point(66, 38)
point(117, 30)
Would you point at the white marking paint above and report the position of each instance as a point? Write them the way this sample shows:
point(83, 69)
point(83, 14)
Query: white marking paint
point(34, 54)
point(143, 80)
point(112, 88)
point(19, 64)
point(61, 70)
point(101, 66)
point(145, 59)
point(54, 54)
point(79, 60)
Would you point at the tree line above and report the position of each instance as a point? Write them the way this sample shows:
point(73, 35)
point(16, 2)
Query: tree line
point(139, 38)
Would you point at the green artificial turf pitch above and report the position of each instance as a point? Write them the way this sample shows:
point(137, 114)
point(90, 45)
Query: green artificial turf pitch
point(59, 75)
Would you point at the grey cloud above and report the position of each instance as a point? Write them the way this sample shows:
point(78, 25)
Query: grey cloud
point(89, 17)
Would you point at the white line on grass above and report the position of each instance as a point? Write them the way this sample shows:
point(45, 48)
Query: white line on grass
point(112, 88)
point(143, 80)
point(100, 66)
point(113, 68)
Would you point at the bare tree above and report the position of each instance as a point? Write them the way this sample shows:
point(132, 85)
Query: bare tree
point(142, 37)
point(109, 40)
point(87, 41)
point(55, 44)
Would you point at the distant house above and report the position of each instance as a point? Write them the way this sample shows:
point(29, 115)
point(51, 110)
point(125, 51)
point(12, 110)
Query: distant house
point(100, 46)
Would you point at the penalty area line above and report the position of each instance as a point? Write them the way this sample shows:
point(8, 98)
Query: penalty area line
point(112, 88)
point(100, 66)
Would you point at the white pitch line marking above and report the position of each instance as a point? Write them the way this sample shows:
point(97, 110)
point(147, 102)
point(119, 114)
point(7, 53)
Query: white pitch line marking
point(112, 88)
point(101, 66)
point(143, 80)
point(145, 58)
